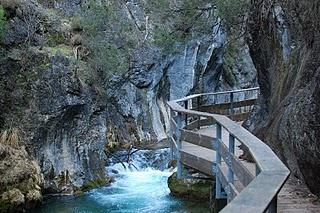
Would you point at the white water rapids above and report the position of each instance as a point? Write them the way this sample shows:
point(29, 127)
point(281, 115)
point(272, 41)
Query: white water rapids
point(141, 188)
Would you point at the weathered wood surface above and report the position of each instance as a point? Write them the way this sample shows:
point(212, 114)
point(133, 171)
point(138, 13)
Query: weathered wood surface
point(239, 169)
point(203, 160)
point(239, 116)
point(294, 196)
point(263, 155)
point(226, 106)
point(196, 152)
point(202, 122)
point(251, 193)
point(198, 139)
point(216, 93)
point(190, 157)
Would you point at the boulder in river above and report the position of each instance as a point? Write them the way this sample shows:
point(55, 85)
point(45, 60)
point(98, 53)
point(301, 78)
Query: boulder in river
point(190, 189)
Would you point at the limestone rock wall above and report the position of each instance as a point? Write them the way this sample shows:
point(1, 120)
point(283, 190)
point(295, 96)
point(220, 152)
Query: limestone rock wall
point(284, 45)
point(67, 119)
point(21, 180)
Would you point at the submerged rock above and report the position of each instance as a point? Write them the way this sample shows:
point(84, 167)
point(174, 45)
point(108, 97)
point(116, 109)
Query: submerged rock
point(96, 184)
point(190, 189)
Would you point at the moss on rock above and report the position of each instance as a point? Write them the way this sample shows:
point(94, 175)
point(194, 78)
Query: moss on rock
point(13, 200)
point(21, 180)
point(190, 189)
point(95, 184)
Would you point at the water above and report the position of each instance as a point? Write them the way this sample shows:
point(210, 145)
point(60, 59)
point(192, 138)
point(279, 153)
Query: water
point(141, 187)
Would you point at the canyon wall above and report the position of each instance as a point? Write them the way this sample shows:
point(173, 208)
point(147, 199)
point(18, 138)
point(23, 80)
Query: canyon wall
point(284, 41)
point(68, 114)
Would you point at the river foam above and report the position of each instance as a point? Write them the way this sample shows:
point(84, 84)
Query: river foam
point(140, 186)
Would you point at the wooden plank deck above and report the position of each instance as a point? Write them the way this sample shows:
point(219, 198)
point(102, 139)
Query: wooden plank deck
point(294, 196)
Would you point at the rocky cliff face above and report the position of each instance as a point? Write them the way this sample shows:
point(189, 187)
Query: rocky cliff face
point(284, 44)
point(196, 66)
point(71, 138)
point(68, 113)
point(21, 179)
point(60, 119)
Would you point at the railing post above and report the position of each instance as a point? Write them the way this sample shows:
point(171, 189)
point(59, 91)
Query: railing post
point(257, 170)
point(218, 160)
point(220, 199)
point(273, 205)
point(215, 101)
point(231, 106)
point(186, 115)
point(179, 143)
point(198, 107)
point(171, 134)
point(231, 152)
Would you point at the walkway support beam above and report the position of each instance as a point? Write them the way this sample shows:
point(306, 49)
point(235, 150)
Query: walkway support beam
point(231, 106)
point(198, 107)
point(230, 169)
point(179, 143)
point(273, 205)
point(218, 162)
point(221, 198)
point(172, 157)
point(186, 115)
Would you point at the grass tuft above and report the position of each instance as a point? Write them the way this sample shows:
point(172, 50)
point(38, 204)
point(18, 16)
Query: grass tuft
point(10, 138)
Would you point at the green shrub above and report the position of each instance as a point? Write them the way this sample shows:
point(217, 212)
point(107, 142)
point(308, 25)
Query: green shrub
point(11, 4)
point(179, 22)
point(183, 20)
point(159, 6)
point(93, 18)
point(3, 23)
point(56, 39)
point(164, 38)
point(232, 11)
point(110, 38)
point(108, 58)
point(76, 23)
point(4, 206)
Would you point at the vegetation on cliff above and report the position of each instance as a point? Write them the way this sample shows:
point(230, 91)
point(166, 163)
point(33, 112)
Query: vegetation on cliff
point(56, 71)
point(110, 38)
point(2, 23)
point(21, 179)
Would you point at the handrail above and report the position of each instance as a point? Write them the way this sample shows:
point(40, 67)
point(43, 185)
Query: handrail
point(261, 193)
point(215, 93)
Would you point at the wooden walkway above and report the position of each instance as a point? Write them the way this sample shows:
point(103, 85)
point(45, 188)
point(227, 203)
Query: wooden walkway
point(294, 197)
point(205, 136)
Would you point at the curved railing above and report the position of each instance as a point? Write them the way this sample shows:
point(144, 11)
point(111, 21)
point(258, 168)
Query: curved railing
point(187, 115)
